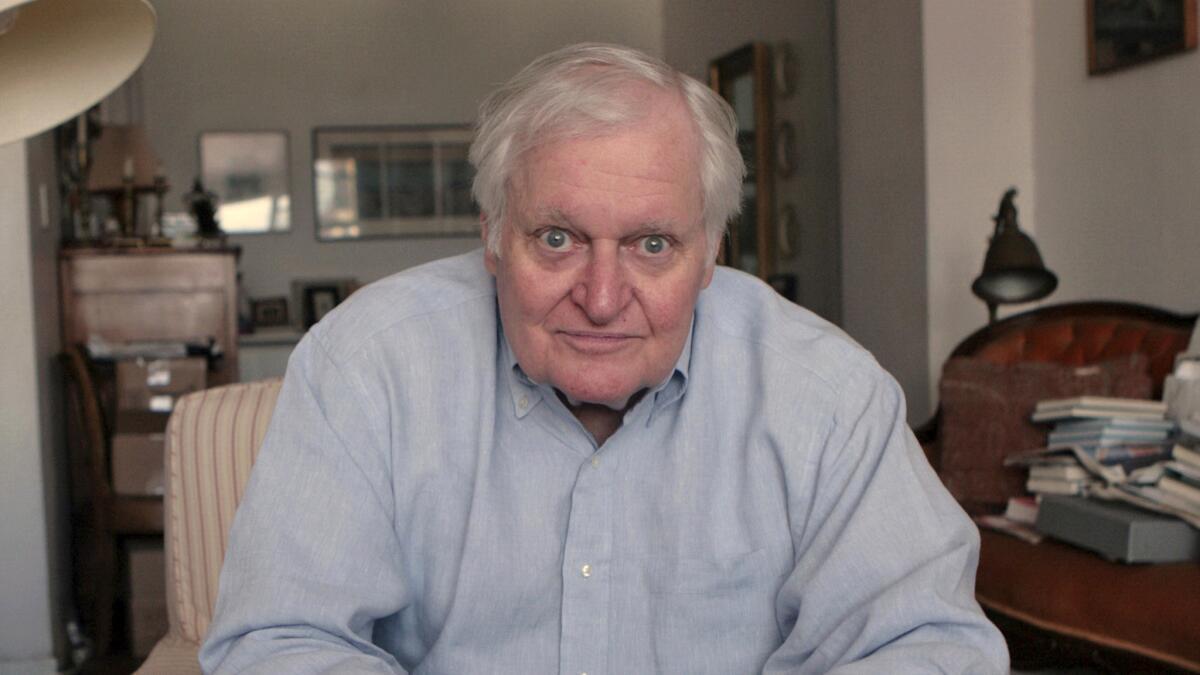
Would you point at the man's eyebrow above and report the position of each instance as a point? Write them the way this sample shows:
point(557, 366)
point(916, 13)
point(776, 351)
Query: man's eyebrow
point(655, 227)
point(558, 217)
point(553, 216)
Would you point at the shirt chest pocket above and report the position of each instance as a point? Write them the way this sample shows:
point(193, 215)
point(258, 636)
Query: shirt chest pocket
point(700, 576)
point(697, 615)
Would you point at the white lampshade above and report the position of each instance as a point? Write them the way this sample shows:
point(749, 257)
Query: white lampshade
point(59, 57)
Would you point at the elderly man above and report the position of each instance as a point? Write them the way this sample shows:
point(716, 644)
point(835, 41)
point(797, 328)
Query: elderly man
point(587, 450)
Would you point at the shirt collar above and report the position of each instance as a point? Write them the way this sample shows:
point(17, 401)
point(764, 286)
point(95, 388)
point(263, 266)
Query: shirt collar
point(526, 393)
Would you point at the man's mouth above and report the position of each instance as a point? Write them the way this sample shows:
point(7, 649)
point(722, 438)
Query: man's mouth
point(596, 342)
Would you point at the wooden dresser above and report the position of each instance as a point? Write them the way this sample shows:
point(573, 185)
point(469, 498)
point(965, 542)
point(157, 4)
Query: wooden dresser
point(152, 294)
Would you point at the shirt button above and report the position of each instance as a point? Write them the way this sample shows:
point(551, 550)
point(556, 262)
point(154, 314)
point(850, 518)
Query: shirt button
point(523, 403)
point(586, 570)
point(595, 462)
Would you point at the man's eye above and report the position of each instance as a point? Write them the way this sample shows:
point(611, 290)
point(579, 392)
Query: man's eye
point(655, 244)
point(555, 238)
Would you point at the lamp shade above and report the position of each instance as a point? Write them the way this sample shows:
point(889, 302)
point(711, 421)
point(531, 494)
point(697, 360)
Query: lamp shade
point(59, 57)
point(1013, 270)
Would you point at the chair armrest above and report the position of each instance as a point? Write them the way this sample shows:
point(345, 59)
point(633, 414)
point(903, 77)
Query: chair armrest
point(172, 655)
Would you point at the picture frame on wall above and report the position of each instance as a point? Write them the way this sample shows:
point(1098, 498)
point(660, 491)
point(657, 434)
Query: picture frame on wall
point(247, 171)
point(269, 312)
point(393, 181)
point(1124, 33)
point(314, 298)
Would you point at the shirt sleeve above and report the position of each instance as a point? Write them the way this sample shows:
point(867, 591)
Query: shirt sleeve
point(312, 560)
point(884, 576)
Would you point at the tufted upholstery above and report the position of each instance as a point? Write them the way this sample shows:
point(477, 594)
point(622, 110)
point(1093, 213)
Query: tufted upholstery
point(212, 440)
point(1057, 604)
point(1079, 334)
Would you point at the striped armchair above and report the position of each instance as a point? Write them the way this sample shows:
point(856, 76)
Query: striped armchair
point(212, 439)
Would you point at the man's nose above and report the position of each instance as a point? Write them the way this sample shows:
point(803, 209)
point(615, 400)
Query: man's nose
point(604, 289)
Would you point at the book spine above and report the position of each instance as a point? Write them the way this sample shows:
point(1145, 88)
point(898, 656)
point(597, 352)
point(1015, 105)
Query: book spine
point(1186, 455)
point(1180, 489)
point(1053, 486)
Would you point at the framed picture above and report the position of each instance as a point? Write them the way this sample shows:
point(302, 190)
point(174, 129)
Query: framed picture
point(314, 298)
point(269, 312)
point(1122, 33)
point(393, 182)
point(248, 172)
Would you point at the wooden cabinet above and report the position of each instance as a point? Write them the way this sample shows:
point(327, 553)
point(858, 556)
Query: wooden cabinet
point(121, 296)
point(153, 294)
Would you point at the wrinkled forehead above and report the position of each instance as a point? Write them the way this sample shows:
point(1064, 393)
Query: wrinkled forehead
point(653, 114)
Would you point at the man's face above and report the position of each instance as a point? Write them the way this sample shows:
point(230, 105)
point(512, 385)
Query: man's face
point(603, 256)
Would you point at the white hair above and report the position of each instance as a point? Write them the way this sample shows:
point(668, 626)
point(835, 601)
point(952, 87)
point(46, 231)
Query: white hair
point(583, 90)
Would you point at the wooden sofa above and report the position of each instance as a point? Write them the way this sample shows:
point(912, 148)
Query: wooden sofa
point(1057, 604)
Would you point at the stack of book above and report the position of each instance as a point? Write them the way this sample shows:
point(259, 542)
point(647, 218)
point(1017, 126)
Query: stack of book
point(1107, 449)
point(1106, 438)
point(1172, 486)
point(1066, 477)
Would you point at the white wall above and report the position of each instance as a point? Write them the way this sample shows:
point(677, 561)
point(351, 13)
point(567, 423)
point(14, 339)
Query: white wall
point(978, 74)
point(230, 64)
point(881, 137)
point(26, 641)
point(697, 31)
point(1117, 159)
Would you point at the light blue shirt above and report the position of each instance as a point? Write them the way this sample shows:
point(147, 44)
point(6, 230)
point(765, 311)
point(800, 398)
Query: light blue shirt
point(420, 506)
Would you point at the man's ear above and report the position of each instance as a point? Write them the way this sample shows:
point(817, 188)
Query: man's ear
point(708, 274)
point(489, 258)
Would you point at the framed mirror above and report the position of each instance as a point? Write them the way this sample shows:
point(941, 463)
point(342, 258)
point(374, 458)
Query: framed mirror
point(393, 182)
point(248, 172)
point(742, 77)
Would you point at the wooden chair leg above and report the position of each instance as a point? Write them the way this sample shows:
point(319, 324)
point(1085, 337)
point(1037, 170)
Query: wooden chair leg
point(97, 582)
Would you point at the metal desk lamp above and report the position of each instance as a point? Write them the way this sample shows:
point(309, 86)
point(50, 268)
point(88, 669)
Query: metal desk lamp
point(1013, 270)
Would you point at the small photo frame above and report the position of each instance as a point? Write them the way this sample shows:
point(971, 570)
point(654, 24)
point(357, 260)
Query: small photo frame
point(269, 312)
point(314, 298)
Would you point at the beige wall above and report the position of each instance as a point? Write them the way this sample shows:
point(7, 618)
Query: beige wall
point(978, 70)
point(696, 31)
point(230, 64)
point(26, 642)
point(1117, 160)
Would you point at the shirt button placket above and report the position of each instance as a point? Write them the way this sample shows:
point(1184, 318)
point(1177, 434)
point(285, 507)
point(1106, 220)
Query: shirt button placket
point(586, 573)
